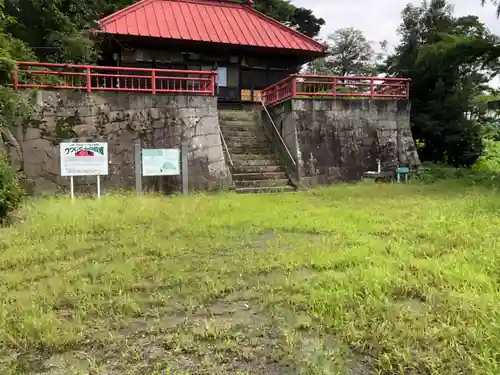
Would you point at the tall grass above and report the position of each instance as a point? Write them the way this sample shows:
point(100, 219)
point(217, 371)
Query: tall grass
point(382, 279)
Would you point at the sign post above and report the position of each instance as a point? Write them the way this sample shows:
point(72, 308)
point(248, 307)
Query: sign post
point(159, 162)
point(185, 181)
point(72, 187)
point(138, 168)
point(84, 159)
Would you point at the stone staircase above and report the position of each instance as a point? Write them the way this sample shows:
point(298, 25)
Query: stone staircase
point(256, 167)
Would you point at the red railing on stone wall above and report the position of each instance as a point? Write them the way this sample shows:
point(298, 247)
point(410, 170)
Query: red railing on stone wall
point(317, 86)
point(112, 78)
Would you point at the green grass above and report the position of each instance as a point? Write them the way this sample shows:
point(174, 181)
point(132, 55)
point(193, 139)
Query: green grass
point(352, 279)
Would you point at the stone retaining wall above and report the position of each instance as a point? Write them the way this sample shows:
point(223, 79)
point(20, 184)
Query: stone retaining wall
point(121, 119)
point(339, 139)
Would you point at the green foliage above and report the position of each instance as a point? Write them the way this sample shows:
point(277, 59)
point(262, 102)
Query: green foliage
point(489, 162)
point(350, 279)
point(12, 106)
point(447, 59)
point(484, 172)
point(349, 53)
point(10, 190)
point(11, 49)
point(299, 18)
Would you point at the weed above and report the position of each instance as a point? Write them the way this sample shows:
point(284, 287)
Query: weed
point(351, 279)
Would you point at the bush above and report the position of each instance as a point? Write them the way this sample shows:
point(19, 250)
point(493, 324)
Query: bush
point(490, 161)
point(11, 192)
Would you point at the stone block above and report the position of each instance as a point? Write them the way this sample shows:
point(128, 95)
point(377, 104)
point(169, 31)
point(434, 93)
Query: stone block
point(387, 125)
point(187, 113)
point(201, 112)
point(31, 134)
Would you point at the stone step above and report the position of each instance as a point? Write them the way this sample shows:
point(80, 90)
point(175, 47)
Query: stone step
point(234, 115)
point(239, 124)
point(250, 149)
point(251, 145)
point(245, 169)
point(242, 130)
point(254, 159)
point(246, 140)
point(245, 137)
point(273, 189)
point(260, 183)
point(259, 176)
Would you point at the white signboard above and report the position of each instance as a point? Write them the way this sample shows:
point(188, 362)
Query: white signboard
point(161, 162)
point(84, 159)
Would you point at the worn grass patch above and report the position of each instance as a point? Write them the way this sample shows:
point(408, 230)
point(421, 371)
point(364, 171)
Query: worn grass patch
point(358, 279)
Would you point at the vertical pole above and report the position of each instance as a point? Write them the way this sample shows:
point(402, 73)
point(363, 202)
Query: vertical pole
point(160, 184)
point(138, 168)
point(15, 78)
point(213, 83)
point(184, 168)
point(153, 81)
point(89, 85)
point(98, 187)
point(72, 187)
point(372, 88)
point(294, 86)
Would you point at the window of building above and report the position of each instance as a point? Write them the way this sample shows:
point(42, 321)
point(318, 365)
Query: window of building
point(233, 77)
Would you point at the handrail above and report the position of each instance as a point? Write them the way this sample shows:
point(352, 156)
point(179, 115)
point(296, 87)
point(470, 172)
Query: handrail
point(279, 135)
point(224, 144)
point(90, 78)
point(313, 86)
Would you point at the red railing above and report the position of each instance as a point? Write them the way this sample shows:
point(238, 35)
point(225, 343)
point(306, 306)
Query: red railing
point(112, 78)
point(316, 86)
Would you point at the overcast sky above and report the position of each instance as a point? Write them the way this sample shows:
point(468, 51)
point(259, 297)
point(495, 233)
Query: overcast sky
point(379, 19)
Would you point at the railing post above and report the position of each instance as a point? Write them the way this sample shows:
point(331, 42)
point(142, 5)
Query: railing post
point(294, 86)
point(212, 83)
point(372, 87)
point(153, 81)
point(334, 86)
point(15, 78)
point(89, 83)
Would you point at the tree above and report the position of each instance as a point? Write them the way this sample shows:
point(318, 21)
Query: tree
point(300, 19)
point(11, 49)
point(350, 53)
point(494, 2)
point(445, 58)
point(318, 67)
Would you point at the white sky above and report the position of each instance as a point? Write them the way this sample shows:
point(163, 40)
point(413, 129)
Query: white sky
point(379, 19)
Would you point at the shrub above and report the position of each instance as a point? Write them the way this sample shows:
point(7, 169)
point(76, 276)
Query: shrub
point(490, 161)
point(11, 192)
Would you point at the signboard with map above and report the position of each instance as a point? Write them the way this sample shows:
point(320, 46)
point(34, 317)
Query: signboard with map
point(161, 162)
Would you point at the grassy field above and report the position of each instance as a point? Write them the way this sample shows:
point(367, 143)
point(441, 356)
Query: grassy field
point(353, 279)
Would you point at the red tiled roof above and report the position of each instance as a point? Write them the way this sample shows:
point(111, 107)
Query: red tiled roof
point(211, 21)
